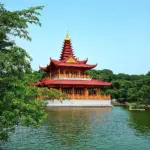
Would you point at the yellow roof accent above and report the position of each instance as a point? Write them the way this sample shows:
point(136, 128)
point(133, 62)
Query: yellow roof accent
point(67, 36)
point(71, 60)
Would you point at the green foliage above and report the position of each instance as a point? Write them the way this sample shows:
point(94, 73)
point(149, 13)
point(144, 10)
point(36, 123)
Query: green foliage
point(16, 23)
point(35, 76)
point(105, 74)
point(125, 88)
point(18, 104)
point(50, 94)
point(17, 100)
point(148, 74)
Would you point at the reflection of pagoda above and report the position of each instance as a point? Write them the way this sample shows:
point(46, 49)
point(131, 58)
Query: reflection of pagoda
point(68, 74)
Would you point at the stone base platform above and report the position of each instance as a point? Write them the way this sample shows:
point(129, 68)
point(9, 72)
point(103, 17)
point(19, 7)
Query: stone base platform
point(79, 103)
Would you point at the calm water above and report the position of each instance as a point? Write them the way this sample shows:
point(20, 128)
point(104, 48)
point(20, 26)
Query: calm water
point(86, 129)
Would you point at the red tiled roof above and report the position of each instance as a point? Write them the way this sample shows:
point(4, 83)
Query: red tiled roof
point(76, 64)
point(79, 64)
point(47, 81)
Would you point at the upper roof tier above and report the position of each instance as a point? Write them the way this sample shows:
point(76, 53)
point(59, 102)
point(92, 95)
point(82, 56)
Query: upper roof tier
point(67, 50)
point(68, 58)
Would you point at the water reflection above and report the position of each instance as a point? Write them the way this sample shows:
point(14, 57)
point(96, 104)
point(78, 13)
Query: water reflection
point(140, 121)
point(72, 124)
point(86, 129)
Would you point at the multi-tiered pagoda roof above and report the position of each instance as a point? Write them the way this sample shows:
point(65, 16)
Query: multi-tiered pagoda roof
point(68, 61)
point(68, 58)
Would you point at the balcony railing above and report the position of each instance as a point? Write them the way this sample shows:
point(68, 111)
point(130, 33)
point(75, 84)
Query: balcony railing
point(89, 97)
point(63, 76)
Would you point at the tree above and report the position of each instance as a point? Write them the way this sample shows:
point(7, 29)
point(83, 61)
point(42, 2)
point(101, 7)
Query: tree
point(50, 94)
point(144, 95)
point(148, 74)
point(17, 99)
point(104, 74)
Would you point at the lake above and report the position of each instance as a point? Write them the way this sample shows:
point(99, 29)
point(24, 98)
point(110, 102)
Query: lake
point(114, 128)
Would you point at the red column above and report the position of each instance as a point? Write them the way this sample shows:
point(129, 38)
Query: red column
point(98, 91)
point(73, 92)
point(86, 93)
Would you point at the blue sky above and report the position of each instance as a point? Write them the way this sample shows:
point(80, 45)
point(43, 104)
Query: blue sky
point(113, 33)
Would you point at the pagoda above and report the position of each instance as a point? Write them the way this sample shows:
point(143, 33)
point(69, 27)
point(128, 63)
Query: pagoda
point(68, 75)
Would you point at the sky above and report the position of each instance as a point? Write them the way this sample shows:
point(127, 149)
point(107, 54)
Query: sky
point(113, 33)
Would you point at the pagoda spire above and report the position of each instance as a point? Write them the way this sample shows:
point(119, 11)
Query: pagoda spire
point(67, 50)
point(67, 36)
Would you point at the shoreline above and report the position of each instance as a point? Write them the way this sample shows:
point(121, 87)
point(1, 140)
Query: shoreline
point(128, 104)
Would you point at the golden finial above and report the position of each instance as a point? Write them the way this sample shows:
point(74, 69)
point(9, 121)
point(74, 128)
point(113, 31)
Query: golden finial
point(67, 36)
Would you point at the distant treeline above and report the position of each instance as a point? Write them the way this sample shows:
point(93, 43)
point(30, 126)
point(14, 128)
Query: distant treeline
point(125, 87)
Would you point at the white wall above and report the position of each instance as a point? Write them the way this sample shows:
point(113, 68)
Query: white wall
point(79, 103)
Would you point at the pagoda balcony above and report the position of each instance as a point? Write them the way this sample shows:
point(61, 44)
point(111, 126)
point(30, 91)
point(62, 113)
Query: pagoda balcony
point(83, 97)
point(89, 97)
point(81, 77)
